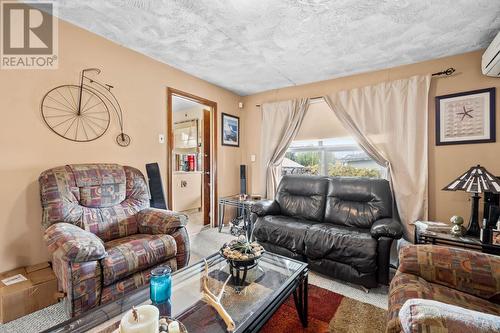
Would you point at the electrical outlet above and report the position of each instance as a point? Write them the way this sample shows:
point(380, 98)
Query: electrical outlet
point(252, 157)
point(161, 138)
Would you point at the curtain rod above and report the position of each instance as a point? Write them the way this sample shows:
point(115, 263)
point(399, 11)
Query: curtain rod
point(446, 72)
point(311, 99)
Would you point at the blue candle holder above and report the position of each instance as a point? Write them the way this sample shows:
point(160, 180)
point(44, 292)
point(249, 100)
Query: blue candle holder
point(160, 289)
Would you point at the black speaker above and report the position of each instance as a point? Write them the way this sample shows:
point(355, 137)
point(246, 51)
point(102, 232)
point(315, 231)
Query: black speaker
point(155, 186)
point(493, 215)
point(243, 179)
point(490, 199)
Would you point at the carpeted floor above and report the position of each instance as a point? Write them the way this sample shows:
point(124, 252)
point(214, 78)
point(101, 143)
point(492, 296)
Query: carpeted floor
point(203, 244)
point(329, 312)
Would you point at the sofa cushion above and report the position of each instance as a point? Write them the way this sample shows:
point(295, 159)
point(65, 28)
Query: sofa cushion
point(273, 248)
point(135, 253)
point(285, 231)
point(351, 246)
point(302, 197)
point(111, 222)
point(357, 202)
point(406, 286)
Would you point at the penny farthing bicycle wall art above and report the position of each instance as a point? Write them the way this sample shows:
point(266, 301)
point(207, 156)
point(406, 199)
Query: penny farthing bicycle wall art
point(81, 112)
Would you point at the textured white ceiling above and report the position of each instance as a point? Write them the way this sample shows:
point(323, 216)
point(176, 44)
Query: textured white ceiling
point(249, 46)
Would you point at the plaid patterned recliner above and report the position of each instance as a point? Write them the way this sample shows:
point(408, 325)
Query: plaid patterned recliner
point(448, 275)
point(103, 237)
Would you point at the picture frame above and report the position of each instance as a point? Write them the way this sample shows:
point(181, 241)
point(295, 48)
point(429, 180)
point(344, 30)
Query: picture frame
point(230, 130)
point(466, 117)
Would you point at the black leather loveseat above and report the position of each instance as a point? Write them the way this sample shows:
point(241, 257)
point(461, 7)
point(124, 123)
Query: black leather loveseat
point(342, 227)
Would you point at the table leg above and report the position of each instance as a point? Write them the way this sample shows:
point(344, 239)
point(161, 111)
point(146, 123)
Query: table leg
point(245, 223)
point(249, 228)
point(221, 216)
point(300, 296)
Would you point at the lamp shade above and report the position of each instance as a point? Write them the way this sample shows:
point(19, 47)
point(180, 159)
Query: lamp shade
point(476, 180)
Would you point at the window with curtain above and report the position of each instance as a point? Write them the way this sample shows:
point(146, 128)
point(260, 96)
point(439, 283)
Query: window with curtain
point(323, 147)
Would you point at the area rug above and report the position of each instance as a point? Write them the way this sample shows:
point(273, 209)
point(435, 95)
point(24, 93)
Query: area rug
point(328, 313)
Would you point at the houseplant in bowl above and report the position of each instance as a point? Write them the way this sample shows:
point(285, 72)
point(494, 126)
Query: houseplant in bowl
point(241, 252)
point(241, 255)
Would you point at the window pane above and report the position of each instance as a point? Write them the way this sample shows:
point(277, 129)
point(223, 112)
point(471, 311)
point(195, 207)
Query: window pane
point(325, 148)
point(306, 162)
point(340, 157)
point(354, 163)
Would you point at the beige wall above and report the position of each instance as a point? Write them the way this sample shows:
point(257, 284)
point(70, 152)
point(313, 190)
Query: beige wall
point(320, 123)
point(445, 162)
point(27, 146)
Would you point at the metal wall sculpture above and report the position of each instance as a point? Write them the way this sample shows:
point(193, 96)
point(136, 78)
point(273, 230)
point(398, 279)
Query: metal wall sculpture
point(81, 112)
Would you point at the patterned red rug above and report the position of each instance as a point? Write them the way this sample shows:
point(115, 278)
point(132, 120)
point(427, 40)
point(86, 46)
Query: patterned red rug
point(328, 312)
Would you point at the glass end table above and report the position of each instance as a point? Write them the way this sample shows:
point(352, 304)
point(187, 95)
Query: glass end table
point(439, 233)
point(243, 206)
point(267, 286)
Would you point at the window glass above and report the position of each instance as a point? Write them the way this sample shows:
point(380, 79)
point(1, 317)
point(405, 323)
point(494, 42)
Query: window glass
point(324, 147)
point(330, 157)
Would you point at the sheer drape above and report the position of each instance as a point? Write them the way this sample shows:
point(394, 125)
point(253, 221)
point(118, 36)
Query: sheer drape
point(389, 121)
point(280, 123)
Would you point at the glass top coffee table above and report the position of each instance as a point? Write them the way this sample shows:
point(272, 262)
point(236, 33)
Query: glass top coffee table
point(267, 286)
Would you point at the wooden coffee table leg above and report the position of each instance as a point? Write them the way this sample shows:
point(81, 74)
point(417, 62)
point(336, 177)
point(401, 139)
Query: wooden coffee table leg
point(300, 296)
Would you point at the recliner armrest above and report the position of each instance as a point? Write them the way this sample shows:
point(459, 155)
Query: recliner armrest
point(74, 244)
point(266, 207)
point(388, 227)
point(425, 315)
point(159, 221)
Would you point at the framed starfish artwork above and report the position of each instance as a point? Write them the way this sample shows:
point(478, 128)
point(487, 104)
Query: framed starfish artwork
point(466, 117)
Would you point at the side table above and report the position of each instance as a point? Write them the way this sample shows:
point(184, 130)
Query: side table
point(428, 232)
point(240, 204)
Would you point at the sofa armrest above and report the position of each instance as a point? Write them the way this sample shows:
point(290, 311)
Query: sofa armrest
point(266, 207)
point(423, 315)
point(387, 227)
point(472, 272)
point(73, 244)
point(159, 221)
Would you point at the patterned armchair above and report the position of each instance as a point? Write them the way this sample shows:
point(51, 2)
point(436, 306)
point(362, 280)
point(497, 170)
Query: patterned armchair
point(102, 236)
point(440, 288)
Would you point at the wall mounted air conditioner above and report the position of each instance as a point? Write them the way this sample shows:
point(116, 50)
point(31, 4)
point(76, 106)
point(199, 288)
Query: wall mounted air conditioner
point(491, 58)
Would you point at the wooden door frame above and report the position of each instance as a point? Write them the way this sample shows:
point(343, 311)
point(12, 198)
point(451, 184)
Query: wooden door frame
point(170, 145)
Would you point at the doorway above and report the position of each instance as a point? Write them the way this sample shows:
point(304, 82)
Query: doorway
point(192, 158)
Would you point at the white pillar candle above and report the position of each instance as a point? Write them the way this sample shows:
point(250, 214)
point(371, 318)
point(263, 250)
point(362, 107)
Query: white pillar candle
point(173, 327)
point(147, 315)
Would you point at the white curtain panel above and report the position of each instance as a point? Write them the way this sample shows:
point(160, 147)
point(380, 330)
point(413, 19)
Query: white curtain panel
point(281, 122)
point(389, 121)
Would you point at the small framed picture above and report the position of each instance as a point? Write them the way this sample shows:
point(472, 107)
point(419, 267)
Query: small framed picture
point(230, 130)
point(495, 237)
point(466, 117)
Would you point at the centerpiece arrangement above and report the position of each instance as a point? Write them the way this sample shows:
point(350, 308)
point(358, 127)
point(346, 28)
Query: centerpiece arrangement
point(241, 252)
point(242, 256)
